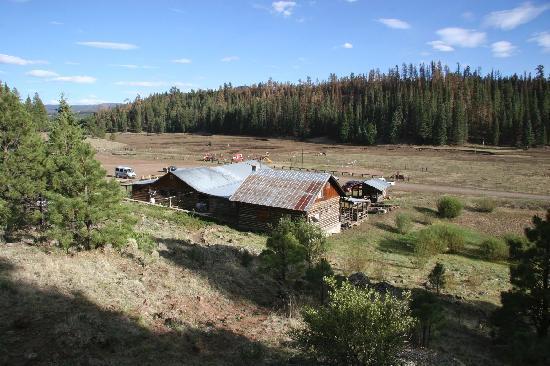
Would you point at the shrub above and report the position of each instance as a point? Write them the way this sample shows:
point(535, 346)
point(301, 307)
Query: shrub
point(403, 222)
point(357, 327)
point(428, 243)
point(485, 205)
point(494, 249)
point(145, 242)
point(452, 238)
point(449, 207)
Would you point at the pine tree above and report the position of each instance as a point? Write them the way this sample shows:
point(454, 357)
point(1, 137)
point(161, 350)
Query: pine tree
point(21, 164)
point(84, 209)
point(395, 126)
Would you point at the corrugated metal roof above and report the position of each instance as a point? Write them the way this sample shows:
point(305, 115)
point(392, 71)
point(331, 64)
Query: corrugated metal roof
point(221, 180)
point(293, 190)
point(378, 184)
point(145, 181)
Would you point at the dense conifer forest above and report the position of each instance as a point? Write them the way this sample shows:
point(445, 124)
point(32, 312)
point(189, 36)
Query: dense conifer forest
point(424, 104)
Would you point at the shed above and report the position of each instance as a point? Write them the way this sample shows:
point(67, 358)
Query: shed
point(372, 189)
point(267, 195)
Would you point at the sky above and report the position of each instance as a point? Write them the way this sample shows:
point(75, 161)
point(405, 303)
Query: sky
point(110, 51)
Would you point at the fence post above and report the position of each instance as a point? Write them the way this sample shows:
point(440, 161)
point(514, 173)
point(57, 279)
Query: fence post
point(170, 202)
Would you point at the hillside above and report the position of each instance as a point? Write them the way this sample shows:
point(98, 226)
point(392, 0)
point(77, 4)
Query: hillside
point(424, 104)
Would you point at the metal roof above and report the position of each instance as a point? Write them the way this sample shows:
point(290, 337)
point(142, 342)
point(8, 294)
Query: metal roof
point(221, 180)
point(378, 184)
point(145, 181)
point(293, 190)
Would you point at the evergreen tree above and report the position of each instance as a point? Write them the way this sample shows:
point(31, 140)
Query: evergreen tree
point(84, 209)
point(284, 255)
point(21, 164)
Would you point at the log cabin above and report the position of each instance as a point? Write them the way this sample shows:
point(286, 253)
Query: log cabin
point(201, 189)
point(267, 195)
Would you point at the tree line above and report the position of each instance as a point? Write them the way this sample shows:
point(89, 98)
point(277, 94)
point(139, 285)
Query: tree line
point(53, 189)
point(424, 104)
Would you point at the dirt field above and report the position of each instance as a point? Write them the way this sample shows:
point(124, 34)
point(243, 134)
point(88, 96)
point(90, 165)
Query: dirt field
point(471, 167)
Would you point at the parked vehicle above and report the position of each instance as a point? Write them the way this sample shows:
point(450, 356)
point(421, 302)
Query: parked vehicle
point(124, 172)
point(237, 158)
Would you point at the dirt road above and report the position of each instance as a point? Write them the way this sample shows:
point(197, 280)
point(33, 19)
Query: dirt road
point(412, 187)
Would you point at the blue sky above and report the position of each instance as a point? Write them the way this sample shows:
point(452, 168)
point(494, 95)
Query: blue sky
point(109, 51)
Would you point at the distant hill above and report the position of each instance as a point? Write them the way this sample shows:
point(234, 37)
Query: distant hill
point(81, 109)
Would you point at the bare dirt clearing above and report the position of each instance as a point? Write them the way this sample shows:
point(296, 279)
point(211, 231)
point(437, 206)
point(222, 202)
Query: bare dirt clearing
point(493, 169)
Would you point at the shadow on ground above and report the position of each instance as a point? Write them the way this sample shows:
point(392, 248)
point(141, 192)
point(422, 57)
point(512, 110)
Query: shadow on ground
point(228, 269)
point(45, 327)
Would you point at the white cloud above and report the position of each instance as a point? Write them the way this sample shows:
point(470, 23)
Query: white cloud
point(462, 37)
point(230, 58)
point(347, 45)
point(441, 46)
point(42, 73)
point(155, 84)
point(76, 79)
point(510, 19)
point(182, 61)
point(53, 76)
point(14, 60)
point(54, 22)
point(458, 37)
point(91, 99)
point(127, 66)
point(468, 15)
point(503, 49)
point(283, 7)
point(542, 39)
point(394, 23)
point(109, 45)
point(71, 63)
point(147, 84)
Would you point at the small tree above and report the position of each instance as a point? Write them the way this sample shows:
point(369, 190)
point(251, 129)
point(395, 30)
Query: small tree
point(284, 255)
point(357, 327)
point(437, 277)
point(312, 238)
point(449, 207)
point(429, 313)
point(84, 209)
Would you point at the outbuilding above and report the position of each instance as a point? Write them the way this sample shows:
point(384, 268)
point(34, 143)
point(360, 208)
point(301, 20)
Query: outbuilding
point(267, 195)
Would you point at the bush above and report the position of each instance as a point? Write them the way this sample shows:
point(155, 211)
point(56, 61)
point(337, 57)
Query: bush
point(357, 327)
point(437, 239)
point(449, 207)
point(485, 205)
point(145, 242)
point(494, 249)
point(452, 237)
point(403, 222)
point(428, 243)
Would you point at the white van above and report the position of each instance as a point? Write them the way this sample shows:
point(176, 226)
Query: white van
point(124, 172)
